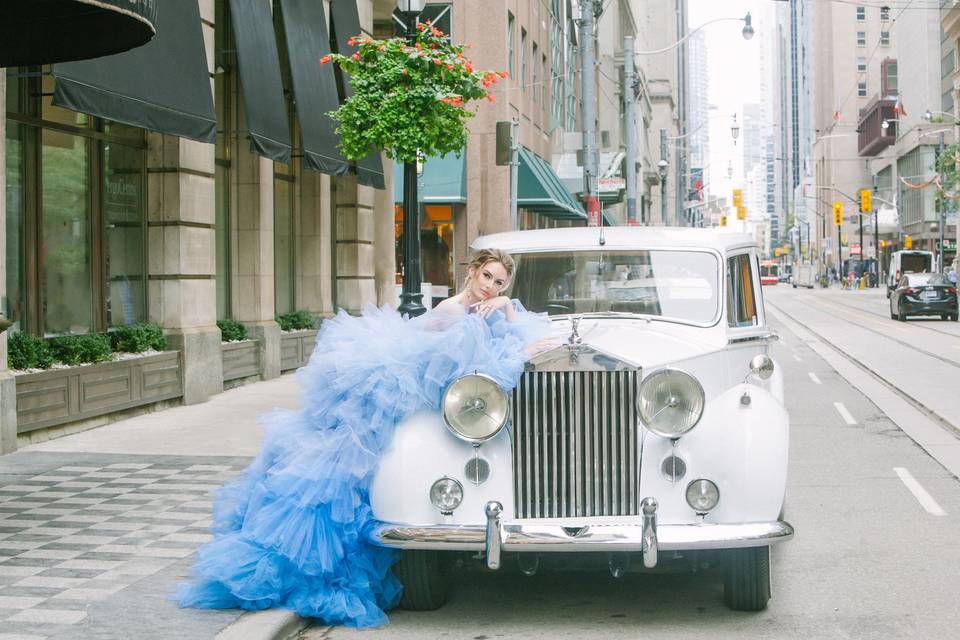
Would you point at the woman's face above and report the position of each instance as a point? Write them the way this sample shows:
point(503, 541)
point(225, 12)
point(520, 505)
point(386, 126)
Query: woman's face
point(487, 281)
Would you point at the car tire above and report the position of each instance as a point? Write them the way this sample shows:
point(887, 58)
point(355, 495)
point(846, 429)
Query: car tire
point(944, 316)
point(955, 317)
point(900, 315)
point(746, 584)
point(423, 575)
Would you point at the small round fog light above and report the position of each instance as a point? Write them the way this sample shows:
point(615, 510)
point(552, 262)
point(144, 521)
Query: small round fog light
point(446, 494)
point(674, 468)
point(702, 495)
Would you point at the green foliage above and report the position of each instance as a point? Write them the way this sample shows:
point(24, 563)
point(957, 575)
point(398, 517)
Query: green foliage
point(79, 349)
point(25, 351)
point(231, 330)
point(297, 320)
point(408, 99)
point(134, 338)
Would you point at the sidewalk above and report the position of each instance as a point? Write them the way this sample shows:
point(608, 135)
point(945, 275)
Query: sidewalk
point(97, 528)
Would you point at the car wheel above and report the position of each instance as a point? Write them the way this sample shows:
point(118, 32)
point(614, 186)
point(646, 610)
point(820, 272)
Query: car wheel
point(746, 584)
point(944, 316)
point(900, 315)
point(424, 579)
point(955, 317)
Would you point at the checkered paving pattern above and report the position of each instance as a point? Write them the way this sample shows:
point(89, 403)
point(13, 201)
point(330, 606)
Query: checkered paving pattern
point(78, 533)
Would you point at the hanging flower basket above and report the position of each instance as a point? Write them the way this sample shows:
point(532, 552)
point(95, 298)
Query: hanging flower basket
point(408, 98)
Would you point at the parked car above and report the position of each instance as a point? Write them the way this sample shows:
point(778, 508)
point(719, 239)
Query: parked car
point(924, 294)
point(655, 433)
point(904, 262)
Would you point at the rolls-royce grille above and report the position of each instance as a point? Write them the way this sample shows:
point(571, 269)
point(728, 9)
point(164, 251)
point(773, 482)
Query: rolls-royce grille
point(575, 444)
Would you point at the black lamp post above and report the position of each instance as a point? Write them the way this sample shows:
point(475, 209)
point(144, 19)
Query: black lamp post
point(411, 299)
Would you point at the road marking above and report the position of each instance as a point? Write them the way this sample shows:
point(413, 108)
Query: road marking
point(814, 377)
point(924, 498)
point(842, 410)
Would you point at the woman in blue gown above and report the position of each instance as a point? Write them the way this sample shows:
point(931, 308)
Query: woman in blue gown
point(290, 531)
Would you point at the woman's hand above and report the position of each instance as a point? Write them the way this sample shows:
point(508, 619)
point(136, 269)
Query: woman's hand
point(485, 307)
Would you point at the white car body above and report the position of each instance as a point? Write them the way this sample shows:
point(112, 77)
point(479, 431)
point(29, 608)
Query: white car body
point(740, 443)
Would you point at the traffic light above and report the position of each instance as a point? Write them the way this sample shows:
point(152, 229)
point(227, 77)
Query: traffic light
point(723, 221)
point(838, 213)
point(866, 201)
point(776, 252)
point(883, 244)
point(907, 242)
point(738, 198)
point(786, 249)
point(741, 213)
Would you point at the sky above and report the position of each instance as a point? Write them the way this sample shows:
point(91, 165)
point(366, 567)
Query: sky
point(734, 71)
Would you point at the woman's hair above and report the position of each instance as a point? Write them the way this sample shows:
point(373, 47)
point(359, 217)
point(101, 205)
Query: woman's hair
point(486, 256)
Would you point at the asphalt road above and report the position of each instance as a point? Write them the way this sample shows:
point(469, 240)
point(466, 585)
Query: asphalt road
point(875, 555)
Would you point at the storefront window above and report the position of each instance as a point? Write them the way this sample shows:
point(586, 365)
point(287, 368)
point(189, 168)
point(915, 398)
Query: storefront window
point(65, 232)
point(12, 302)
point(283, 239)
point(122, 207)
point(436, 248)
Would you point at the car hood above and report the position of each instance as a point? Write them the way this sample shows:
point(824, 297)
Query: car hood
point(641, 342)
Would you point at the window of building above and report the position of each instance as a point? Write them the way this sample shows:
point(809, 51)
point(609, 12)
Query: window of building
point(884, 13)
point(78, 183)
point(741, 305)
point(440, 16)
point(861, 38)
point(946, 102)
point(888, 77)
point(861, 64)
point(523, 59)
point(862, 89)
point(534, 77)
point(885, 38)
point(511, 45)
point(556, 65)
point(545, 80)
point(948, 64)
point(861, 13)
point(284, 240)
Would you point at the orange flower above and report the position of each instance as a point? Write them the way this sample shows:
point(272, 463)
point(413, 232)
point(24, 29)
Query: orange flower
point(450, 67)
point(468, 66)
point(324, 59)
point(437, 61)
point(356, 56)
point(504, 74)
point(352, 41)
point(490, 98)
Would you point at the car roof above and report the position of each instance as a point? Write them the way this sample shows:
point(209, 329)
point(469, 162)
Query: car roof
point(614, 238)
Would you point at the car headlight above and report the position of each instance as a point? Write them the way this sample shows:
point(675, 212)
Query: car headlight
point(446, 494)
point(702, 495)
point(670, 402)
point(475, 408)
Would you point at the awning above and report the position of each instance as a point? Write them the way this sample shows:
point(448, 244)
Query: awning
point(46, 31)
point(260, 81)
point(442, 181)
point(539, 189)
point(162, 86)
point(345, 23)
point(314, 85)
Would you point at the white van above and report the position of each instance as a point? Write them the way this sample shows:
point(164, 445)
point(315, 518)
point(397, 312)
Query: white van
point(911, 261)
point(804, 275)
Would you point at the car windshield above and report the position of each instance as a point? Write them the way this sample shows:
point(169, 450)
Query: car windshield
point(679, 285)
point(917, 279)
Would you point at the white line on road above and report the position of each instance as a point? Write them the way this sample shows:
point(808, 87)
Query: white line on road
point(924, 498)
point(814, 377)
point(842, 410)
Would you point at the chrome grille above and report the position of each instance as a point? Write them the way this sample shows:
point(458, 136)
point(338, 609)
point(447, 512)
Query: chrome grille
point(575, 444)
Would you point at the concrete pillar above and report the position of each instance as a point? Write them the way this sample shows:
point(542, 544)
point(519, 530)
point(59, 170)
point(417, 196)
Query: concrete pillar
point(8, 388)
point(356, 279)
point(385, 264)
point(182, 267)
point(313, 241)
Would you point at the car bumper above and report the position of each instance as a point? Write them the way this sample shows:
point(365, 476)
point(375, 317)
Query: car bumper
point(929, 308)
point(525, 536)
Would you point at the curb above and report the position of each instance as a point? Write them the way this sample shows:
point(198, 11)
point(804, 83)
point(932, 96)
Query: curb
point(270, 624)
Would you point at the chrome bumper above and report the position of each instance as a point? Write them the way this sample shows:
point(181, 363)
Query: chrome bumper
point(644, 536)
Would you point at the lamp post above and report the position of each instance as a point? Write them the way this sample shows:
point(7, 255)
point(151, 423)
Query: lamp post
point(411, 298)
point(747, 33)
point(662, 166)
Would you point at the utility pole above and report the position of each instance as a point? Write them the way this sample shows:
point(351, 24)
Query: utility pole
point(588, 112)
point(663, 176)
point(514, 171)
point(876, 233)
point(943, 210)
point(630, 129)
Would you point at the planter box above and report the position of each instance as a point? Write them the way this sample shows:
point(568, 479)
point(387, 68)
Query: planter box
point(241, 359)
point(295, 348)
point(58, 396)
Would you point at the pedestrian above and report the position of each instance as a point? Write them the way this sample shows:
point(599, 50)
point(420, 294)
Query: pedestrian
point(952, 276)
point(290, 531)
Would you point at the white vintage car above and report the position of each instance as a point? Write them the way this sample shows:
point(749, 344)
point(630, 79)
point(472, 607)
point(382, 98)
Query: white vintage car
point(656, 431)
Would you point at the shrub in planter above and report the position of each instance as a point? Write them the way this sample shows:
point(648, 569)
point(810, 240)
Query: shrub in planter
point(231, 330)
point(135, 338)
point(296, 321)
point(25, 351)
point(79, 349)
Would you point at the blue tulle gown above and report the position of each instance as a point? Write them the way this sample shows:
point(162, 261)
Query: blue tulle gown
point(290, 530)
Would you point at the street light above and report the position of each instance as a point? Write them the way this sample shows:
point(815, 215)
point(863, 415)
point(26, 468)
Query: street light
point(411, 299)
point(662, 165)
point(747, 33)
point(928, 115)
point(735, 130)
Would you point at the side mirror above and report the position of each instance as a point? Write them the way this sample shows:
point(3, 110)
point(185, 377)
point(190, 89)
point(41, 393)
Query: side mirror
point(761, 366)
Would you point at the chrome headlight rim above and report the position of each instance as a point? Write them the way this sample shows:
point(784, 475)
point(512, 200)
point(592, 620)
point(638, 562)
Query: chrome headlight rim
point(673, 435)
point(465, 437)
point(451, 482)
point(698, 482)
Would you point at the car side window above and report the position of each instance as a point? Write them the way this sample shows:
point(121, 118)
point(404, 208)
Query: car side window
point(741, 298)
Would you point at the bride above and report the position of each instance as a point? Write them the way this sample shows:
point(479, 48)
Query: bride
point(290, 531)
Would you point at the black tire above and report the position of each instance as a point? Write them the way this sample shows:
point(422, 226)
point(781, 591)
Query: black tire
point(955, 317)
point(900, 315)
point(944, 316)
point(746, 584)
point(424, 579)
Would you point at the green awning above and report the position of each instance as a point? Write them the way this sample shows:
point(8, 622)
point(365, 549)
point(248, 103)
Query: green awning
point(442, 181)
point(541, 190)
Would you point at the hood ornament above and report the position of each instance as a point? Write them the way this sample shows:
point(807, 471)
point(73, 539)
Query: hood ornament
point(575, 338)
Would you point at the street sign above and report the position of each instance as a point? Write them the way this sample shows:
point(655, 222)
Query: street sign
point(741, 213)
point(611, 184)
point(854, 249)
point(738, 197)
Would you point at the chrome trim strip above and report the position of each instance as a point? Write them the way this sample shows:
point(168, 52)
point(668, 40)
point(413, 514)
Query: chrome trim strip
point(493, 534)
point(650, 542)
point(589, 538)
point(769, 336)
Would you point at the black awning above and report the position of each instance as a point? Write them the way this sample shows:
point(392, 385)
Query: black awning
point(314, 85)
point(162, 86)
point(345, 23)
point(260, 81)
point(46, 31)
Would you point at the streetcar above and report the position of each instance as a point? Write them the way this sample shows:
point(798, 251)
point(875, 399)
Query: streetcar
point(769, 272)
